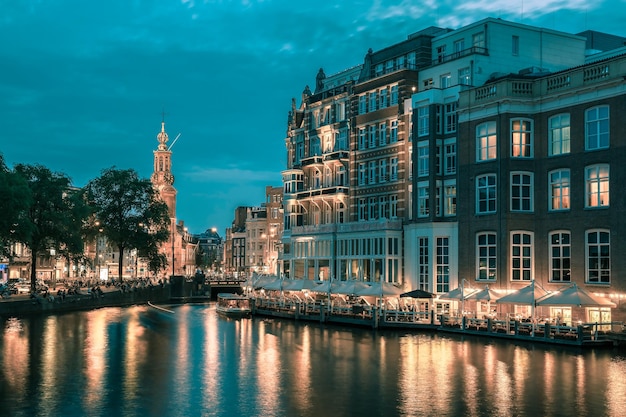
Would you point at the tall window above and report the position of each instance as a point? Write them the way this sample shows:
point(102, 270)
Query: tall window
point(382, 170)
point(559, 134)
point(393, 206)
point(373, 101)
point(394, 95)
point(597, 185)
point(383, 97)
point(382, 134)
point(521, 138)
point(422, 159)
point(362, 209)
point(459, 45)
point(362, 138)
point(372, 165)
point(450, 157)
point(486, 194)
point(372, 208)
point(443, 264)
point(362, 104)
point(560, 257)
point(315, 146)
point(423, 121)
point(521, 191)
point(486, 141)
point(478, 40)
point(393, 169)
point(383, 203)
point(423, 261)
point(372, 136)
point(598, 257)
point(393, 132)
point(597, 128)
point(450, 125)
point(441, 53)
point(445, 81)
point(422, 199)
point(362, 173)
point(449, 196)
point(465, 77)
point(486, 255)
point(559, 189)
point(515, 45)
point(521, 256)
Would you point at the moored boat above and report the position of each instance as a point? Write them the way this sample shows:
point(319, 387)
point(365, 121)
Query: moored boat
point(233, 305)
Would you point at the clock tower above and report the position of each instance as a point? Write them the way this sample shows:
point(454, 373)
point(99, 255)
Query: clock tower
point(162, 178)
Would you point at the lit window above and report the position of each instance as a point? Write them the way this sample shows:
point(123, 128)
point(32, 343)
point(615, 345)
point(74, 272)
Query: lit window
point(597, 188)
point(449, 196)
point(445, 81)
point(422, 199)
point(442, 263)
point(598, 257)
point(521, 138)
point(559, 134)
point(465, 77)
point(560, 257)
point(486, 141)
point(559, 189)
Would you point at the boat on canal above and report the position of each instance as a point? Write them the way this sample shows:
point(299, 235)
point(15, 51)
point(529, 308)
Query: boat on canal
point(233, 305)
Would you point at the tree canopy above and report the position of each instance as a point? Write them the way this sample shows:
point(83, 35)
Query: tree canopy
point(130, 213)
point(15, 200)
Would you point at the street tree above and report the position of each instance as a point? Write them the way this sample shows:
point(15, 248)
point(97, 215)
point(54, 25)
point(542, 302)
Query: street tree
point(129, 211)
point(14, 203)
point(53, 217)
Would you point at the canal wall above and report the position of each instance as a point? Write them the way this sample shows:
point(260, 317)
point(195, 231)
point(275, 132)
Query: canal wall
point(21, 306)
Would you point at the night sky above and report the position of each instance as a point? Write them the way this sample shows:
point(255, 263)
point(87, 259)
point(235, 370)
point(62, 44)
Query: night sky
point(84, 84)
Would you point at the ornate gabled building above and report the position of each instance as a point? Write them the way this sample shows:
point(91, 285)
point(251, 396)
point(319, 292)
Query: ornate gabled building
point(181, 248)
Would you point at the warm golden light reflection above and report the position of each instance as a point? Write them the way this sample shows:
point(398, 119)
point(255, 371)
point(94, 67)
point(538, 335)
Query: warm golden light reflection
point(548, 382)
point(581, 386)
point(135, 351)
point(183, 346)
point(504, 391)
point(211, 353)
point(48, 373)
point(95, 346)
point(15, 353)
point(302, 369)
point(268, 371)
point(616, 388)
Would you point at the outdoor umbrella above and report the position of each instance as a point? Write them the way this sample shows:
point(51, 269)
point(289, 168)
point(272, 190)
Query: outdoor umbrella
point(299, 284)
point(527, 295)
point(276, 285)
point(351, 287)
point(484, 295)
point(380, 290)
point(575, 296)
point(417, 293)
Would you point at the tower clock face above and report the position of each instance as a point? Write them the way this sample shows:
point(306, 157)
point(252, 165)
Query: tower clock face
point(168, 178)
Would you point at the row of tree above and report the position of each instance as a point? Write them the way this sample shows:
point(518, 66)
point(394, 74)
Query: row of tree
point(42, 210)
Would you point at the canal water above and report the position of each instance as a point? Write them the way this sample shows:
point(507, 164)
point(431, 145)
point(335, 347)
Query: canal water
point(141, 361)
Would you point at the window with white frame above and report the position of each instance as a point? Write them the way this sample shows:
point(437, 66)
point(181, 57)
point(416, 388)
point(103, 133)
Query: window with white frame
point(459, 45)
point(382, 170)
point(450, 156)
point(438, 198)
point(560, 256)
point(383, 97)
point(522, 191)
point(445, 81)
point(394, 95)
point(441, 53)
point(559, 189)
point(451, 117)
point(597, 128)
point(362, 104)
point(393, 132)
point(372, 207)
point(341, 176)
point(486, 256)
point(372, 136)
point(449, 196)
point(423, 121)
point(559, 134)
point(340, 210)
point(422, 199)
point(362, 173)
point(597, 185)
point(340, 111)
point(521, 138)
point(486, 194)
point(341, 140)
point(521, 256)
point(393, 206)
point(315, 146)
point(382, 134)
point(423, 263)
point(438, 156)
point(379, 70)
point(486, 141)
point(598, 259)
point(422, 158)
point(393, 169)
point(410, 162)
point(373, 101)
point(442, 264)
point(362, 138)
point(465, 77)
point(372, 171)
point(383, 203)
point(362, 209)
point(478, 40)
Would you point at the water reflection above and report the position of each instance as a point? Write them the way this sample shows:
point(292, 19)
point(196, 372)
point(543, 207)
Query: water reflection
point(141, 361)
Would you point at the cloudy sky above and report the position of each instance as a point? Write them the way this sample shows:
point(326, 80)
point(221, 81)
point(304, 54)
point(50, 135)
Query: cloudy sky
point(83, 84)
